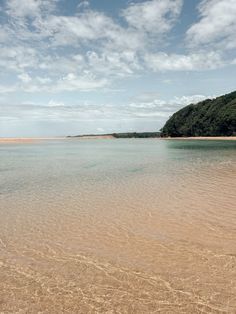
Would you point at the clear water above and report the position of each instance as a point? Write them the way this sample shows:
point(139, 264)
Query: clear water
point(118, 226)
point(55, 164)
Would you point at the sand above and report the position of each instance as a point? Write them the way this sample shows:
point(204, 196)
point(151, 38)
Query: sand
point(19, 140)
point(115, 227)
point(24, 140)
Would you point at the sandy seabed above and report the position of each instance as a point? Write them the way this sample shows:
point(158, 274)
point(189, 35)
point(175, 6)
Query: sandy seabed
point(78, 237)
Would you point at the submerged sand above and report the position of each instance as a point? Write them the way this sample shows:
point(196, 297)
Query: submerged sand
point(131, 243)
point(129, 253)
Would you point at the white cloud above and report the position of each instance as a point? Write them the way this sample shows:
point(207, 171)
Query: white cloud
point(217, 24)
point(86, 82)
point(18, 58)
point(3, 35)
point(53, 103)
point(66, 77)
point(70, 82)
point(91, 41)
point(83, 28)
point(156, 107)
point(89, 50)
point(113, 63)
point(43, 80)
point(154, 16)
point(178, 62)
point(5, 89)
point(153, 109)
point(83, 4)
point(187, 100)
point(29, 8)
point(24, 77)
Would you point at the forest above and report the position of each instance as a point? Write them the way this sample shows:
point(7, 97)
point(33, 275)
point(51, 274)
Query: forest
point(211, 117)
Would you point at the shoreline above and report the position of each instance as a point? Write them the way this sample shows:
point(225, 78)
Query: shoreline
point(16, 140)
point(110, 136)
point(25, 140)
point(91, 137)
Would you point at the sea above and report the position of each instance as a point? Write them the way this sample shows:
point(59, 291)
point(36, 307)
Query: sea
point(118, 226)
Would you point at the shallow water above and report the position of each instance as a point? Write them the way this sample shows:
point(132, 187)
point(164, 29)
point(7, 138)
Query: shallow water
point(118, 226)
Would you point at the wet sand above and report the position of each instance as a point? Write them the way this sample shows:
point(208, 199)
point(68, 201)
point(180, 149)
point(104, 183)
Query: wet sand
point(17, 140)
point(92, 137)
point(25, 140)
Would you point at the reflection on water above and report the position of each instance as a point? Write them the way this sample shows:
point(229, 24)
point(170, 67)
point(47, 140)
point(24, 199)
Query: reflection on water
point(202, 144)
point(118, 226)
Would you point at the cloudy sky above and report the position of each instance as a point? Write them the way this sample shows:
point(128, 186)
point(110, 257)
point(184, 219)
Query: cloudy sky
point(71, 67)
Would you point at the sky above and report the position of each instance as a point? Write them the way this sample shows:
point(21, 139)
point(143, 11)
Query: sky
point(72, 67)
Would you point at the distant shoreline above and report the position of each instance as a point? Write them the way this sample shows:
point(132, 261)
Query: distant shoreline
point(88, 137)
point(15, 140)
point(111, 136)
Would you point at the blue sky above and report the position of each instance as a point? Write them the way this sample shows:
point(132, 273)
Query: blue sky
point(73, 67)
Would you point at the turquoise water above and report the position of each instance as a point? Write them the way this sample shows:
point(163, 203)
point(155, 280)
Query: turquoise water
point(56, 163)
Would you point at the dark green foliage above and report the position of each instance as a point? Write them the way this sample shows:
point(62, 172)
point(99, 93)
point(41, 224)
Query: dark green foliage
point(137, 135)
point(216, 117)
point(125, 135)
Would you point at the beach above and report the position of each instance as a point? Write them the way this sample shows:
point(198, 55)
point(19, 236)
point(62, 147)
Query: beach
point(105, 137)
point(17, 140)
point(24, 140)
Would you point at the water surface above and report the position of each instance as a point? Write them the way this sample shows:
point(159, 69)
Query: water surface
point(118, 226)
